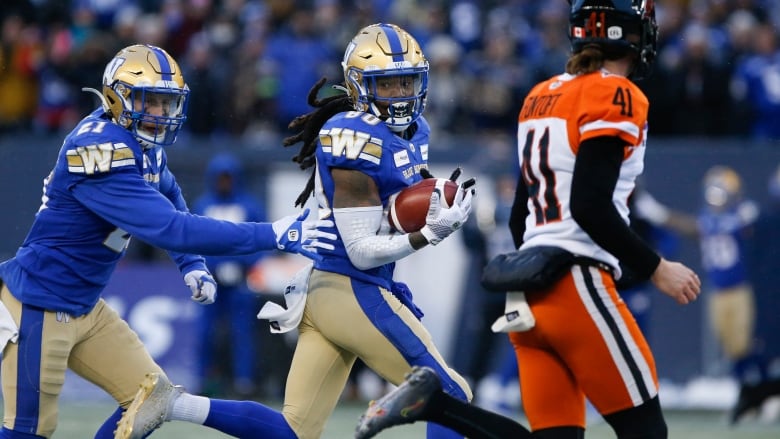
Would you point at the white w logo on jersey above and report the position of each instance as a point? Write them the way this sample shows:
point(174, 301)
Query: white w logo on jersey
point(351, 144)
point(99, 158)
point(96, 158)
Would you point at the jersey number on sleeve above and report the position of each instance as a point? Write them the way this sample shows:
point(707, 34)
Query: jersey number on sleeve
point(622, 99)
point(547, 208)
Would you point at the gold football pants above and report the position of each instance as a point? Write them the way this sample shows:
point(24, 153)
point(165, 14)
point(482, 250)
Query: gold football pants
point(98, 346)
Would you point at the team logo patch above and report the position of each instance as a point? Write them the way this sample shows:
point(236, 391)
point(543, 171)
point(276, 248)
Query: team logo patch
point(615, 32)
point(401, 158)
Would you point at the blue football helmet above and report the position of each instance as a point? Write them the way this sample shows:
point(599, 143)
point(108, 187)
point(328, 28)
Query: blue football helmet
point(378, 54)
point(617, 26)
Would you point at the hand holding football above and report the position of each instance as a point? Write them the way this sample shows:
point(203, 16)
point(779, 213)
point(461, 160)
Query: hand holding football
point(410, 206)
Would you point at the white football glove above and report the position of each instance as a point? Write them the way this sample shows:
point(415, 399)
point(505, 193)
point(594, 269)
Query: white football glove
point(441, 222)
point(293, 235)
point(202, 285)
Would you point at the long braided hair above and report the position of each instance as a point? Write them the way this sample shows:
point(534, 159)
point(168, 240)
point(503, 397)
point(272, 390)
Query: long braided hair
point(309, 126)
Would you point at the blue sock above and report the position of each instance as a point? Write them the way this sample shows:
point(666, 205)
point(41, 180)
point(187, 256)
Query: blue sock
point(106, 430)
point(10, 434)
point(248, 420)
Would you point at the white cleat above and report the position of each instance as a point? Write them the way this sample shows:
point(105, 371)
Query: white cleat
point(151, 407)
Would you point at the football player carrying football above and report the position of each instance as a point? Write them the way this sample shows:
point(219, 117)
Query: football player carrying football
point(110, 182)
point(365, 146)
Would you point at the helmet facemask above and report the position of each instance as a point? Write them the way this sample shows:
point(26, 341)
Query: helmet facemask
point(153, 114)
point(396, 98)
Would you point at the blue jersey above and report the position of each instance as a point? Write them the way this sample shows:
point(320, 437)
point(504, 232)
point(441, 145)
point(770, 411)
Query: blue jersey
point(723, 236)
point(105, 188)
point(362, 142)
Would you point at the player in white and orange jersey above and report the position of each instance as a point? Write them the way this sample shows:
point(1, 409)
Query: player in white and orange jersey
point(581, 145)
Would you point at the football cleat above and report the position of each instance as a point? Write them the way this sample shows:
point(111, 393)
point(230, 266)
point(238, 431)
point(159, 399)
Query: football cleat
point(751, 398)
point(404, 405)
point(151, 407)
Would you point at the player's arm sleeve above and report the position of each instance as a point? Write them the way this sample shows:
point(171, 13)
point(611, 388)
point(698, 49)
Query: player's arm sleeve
point(519, 212)
point(184, 261)
point(358, 228)
point(127, 202)
point(596, 171)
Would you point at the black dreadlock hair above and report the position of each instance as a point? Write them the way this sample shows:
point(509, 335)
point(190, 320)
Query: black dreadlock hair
point(309, 125)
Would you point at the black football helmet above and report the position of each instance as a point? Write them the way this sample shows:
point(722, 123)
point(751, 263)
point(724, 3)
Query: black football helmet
point(617, 26)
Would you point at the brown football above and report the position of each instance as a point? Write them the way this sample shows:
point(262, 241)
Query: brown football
point(410, 206)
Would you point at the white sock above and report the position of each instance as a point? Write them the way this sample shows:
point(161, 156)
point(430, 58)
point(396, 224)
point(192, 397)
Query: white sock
point(191, 408)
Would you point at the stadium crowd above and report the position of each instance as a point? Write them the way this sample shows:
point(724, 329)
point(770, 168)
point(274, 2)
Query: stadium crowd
point(250, 63)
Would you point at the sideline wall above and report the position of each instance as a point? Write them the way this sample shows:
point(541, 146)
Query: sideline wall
point(673, 172)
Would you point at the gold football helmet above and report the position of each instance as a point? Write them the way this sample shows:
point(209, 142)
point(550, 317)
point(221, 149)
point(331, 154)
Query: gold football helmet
point(388, 54)
point(144, 91)
point(722, 187)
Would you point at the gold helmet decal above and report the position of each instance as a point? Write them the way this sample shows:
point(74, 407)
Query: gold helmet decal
point(144, 91)
point(384, 51)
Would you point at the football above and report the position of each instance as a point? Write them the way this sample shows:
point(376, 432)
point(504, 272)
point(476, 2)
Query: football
point(409, 207)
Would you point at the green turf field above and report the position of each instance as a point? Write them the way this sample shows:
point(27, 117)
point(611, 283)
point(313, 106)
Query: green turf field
point(79, 421)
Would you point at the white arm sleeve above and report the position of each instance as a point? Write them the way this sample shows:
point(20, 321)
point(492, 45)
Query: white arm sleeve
point(366, 249)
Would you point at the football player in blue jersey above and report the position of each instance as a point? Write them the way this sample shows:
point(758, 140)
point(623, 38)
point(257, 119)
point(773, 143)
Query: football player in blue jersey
point(365, 147)
point(110, 182)
point(725, 227)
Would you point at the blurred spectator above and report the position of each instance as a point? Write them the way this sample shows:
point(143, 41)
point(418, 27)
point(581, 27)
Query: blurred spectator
point(208, 77)
point(552, 47)
point(296, 58)
point(445, 110)
point(276, 47)
point(688, 99)
point(21, 57)
point(755, 84)
point(498, 82)
point(236, 306)
point(57, 111)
